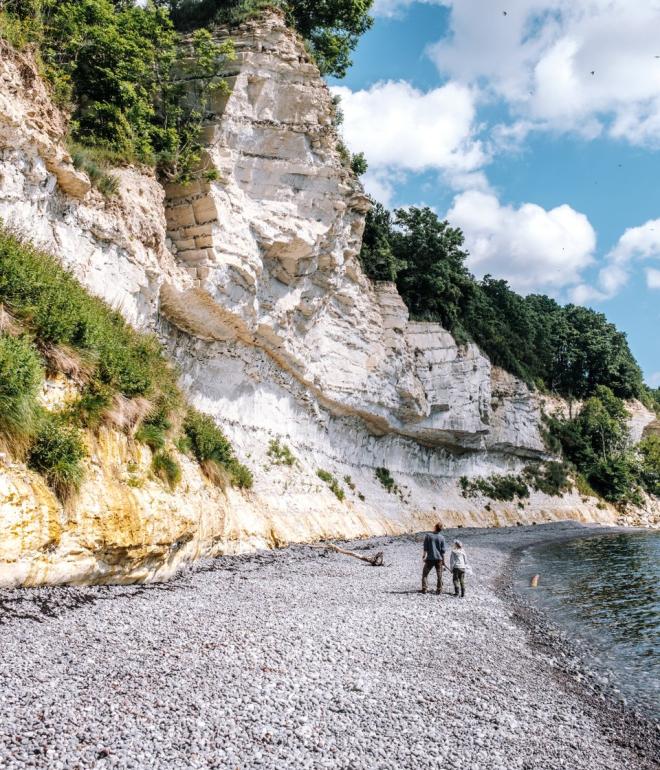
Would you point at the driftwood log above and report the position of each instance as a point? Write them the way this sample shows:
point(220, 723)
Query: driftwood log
point(375, 561)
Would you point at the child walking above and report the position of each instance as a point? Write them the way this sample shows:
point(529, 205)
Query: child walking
point(457, 565)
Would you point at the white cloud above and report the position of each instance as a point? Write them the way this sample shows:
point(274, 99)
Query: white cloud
point(653, 278)
point(585, 66)
point(636, 244)
point(531, 247)
point(400, 127)
point(393, 8)
point(654, 380)
point(380, 185)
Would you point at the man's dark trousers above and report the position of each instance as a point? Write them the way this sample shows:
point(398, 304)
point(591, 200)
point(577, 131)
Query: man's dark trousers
point(430, 564)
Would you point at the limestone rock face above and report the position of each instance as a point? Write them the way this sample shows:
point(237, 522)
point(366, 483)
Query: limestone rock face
point(273, 248)
point(253, 284)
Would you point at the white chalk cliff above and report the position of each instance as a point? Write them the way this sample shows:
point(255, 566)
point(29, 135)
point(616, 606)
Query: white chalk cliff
point(253, 284)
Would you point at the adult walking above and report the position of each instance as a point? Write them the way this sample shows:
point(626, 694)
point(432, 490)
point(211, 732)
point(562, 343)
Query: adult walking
point(434, 557)
point(457, 565)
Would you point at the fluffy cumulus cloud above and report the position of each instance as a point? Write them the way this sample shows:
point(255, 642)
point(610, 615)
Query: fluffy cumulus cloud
point(591, 67)
point(635, 245)
point(403, 128)
point(531, 247)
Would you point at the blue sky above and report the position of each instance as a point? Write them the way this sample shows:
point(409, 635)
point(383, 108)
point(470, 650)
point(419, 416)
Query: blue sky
point(536, 130)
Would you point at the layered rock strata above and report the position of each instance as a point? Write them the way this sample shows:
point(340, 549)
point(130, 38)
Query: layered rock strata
point(252, 282)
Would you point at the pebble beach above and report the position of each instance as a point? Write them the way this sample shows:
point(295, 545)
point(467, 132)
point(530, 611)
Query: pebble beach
point(303, 658)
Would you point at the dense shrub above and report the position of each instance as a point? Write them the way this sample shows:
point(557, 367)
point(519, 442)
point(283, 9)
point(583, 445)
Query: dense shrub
point(649, 451)
point(550, 478)
point(597, 443)
point(58, 453)
point(21, 374)
point(120, 69)
point(209, 445)
point(385, 477)
point(166, 468)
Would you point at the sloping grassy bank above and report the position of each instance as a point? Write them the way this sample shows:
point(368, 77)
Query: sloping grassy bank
point(49, 324)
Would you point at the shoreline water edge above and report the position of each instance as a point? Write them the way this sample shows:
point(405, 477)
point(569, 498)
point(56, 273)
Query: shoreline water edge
point(305, 658)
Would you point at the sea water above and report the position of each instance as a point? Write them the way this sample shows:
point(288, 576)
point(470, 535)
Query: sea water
point(605, 592)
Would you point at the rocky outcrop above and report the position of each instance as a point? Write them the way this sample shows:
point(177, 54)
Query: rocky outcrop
point(252, 282)
point(273, 249)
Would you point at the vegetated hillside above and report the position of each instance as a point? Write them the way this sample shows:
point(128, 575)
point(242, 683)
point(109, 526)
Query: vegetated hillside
point(50, 324)
point(120, 70)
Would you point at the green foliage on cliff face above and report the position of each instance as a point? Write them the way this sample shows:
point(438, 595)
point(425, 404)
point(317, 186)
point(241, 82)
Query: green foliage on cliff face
point(597, 443)
point(651, 399)
point(649, 451)
point(331, 28)
point(333, 484)
point(213, 450)
point(505, 487)
point(21, 375)
point(46, 314)
point(118, 67)
point(570, 350)
point(57, 452)
point(166, 468)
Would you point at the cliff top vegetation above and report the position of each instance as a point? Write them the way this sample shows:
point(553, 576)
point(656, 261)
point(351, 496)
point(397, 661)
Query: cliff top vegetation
point(331, 28)
point(119, 69)
point(569, 350)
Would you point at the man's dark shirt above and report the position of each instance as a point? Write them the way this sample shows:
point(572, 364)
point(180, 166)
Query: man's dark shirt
point(434, 545)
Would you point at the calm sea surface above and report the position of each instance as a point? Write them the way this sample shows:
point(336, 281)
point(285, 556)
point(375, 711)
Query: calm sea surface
point(605, 591)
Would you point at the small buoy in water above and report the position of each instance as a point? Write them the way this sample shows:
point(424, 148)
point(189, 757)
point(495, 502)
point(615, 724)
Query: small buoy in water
point(533, 583)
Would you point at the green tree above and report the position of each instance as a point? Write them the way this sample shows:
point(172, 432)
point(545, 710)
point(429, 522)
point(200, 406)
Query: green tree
point(376, 256)
point(570, 350)
point(596, 441)
point(359, 164)
point(113, 59)
point(649, 451)
point(130, 86)
point(433, 279)
point(331, 28)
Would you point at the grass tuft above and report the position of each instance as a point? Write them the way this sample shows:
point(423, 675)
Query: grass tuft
point(166, 468)
point(211, 447)
point(94, 163)
point(58, 453)
point(280, 454)
point(21, 376)
point(331, 481)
